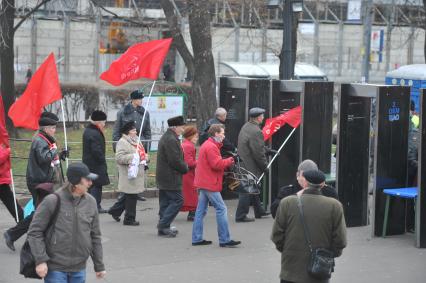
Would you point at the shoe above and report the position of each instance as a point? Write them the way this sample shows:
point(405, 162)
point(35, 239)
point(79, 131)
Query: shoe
point(230, 244)
point(263, 215)
point(167, 233)
point(191, 216)
point(131, 223)
point(115, 217)
point(102, 211)
point(202, 243)
point(9, 242)
point(245, 219)
point(174, 229)
point(141, 198)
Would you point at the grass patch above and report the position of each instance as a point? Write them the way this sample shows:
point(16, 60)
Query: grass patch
point(20, 149)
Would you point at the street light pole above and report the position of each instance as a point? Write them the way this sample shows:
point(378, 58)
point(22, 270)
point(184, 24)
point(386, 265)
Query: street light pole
point(287, 70)
point(367, 40)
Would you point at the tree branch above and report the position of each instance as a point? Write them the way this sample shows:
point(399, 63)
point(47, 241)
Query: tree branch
point(95, 2)
point(26, 16)
point(178, 40)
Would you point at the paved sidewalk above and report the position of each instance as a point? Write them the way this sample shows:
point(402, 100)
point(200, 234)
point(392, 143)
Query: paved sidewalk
point(136, 254)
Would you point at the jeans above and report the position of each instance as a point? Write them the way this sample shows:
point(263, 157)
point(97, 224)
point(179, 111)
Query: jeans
point(216, 200)
point(244, 206)
point(65, 277)
point(170, 204)
point(96, 192)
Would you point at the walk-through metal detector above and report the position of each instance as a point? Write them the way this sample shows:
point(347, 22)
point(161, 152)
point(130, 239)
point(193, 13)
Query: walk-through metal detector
point(421, 198)
point(312, 140)
point(390, 153)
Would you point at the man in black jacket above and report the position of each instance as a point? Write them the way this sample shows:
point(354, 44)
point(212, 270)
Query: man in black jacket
point(170, 168)
point(304, 166)
point(94, 154)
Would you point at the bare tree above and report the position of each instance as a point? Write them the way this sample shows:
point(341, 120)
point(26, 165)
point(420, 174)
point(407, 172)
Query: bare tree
point(201, 64)
point(7, 34)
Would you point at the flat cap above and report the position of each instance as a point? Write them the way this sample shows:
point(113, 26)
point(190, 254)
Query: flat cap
point(256, 111)
point(315, 177)
point(137, 94)
point(48, 119)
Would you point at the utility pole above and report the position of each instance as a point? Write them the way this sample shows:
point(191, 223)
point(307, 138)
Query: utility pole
point(287, 71)
point(367, 39)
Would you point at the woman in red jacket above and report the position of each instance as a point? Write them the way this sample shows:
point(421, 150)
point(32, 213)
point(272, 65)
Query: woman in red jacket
point(190, 196)
point(208, 180)
point(6, 194)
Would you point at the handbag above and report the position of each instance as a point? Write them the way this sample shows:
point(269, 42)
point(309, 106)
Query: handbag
point(27, 262)
point(321, 261)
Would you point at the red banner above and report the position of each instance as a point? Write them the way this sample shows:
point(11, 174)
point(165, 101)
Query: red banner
point(292, 117)
point(142, 60)
point(43, 89)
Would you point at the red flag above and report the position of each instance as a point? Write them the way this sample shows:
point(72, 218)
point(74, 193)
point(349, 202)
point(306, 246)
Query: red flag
point(42, 90)
point(142, 60)
point(4, 136)
point(292, 117)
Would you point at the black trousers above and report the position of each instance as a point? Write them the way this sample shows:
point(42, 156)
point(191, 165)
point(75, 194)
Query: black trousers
point(6, 196)
point(170, 204)
point(244, 206)
point(127, 203)
point(96, 192)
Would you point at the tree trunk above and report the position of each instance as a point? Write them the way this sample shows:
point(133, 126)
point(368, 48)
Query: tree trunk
point(204, 79)
point(7, 71)
point(424, 27)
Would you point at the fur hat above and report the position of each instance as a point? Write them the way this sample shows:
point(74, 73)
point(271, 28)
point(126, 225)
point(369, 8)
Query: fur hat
point(126, 128)
point(48, 119)
point(176, 121)
point(137, 94)
point(314, 177)
point(98, 115)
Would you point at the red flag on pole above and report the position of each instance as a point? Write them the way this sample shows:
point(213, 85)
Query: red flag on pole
point(142, 60)
point(4, 136)
point(42, 90)
point(292, 117)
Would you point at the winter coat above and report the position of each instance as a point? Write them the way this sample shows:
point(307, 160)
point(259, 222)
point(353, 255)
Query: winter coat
point(190, 196)
point(5, 165)
point(75, 236)
point(327, 229)
point(210, 167)
point(129, 113)
point(170, 163)
point(39, 167)
point(251, 148)
point(124, 154)
point(94, 154)
point(227, 146)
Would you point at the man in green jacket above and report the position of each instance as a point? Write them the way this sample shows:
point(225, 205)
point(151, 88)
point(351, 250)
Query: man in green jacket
point(325, 222)
point(61, 250)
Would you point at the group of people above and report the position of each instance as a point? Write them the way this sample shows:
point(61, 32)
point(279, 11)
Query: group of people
point(185, 183)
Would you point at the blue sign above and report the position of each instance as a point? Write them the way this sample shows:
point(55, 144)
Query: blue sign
point(394, 112)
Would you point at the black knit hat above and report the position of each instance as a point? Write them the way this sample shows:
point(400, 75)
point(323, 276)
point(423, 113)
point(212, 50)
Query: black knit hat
point(126, 128)
point(48, 119)
point(78, 170)
point(137, 94)
point(176, 121)
point(98, 115)
point(315, 177)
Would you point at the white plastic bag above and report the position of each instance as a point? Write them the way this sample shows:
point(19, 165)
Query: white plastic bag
point(133, 170)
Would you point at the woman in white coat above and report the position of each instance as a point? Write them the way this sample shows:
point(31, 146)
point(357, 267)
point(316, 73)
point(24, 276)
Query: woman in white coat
point(131, 159)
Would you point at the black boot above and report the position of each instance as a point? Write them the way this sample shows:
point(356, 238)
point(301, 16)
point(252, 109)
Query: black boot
point(191, 216)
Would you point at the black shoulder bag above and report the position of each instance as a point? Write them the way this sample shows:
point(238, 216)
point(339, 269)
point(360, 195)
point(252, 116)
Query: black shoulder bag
point(321, 262)
point(27, 261)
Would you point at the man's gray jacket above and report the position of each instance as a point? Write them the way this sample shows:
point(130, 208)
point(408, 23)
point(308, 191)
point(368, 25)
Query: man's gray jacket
point(251, 148)
point(129, 113)
point(75, 236)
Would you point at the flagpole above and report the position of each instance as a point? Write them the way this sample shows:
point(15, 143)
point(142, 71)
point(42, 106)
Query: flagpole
point(144, 113)
point(14, 195)
point(65, 131)
point(276, 154)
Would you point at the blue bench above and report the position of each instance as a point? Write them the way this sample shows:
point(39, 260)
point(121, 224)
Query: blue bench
point(407, 193)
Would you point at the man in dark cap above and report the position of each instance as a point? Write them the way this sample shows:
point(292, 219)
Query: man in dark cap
point(43, 167)
point(133, 111)
point(252, 151)
point(325, 222)
point(77, 234)
point(170, 168)
point(94, 154)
